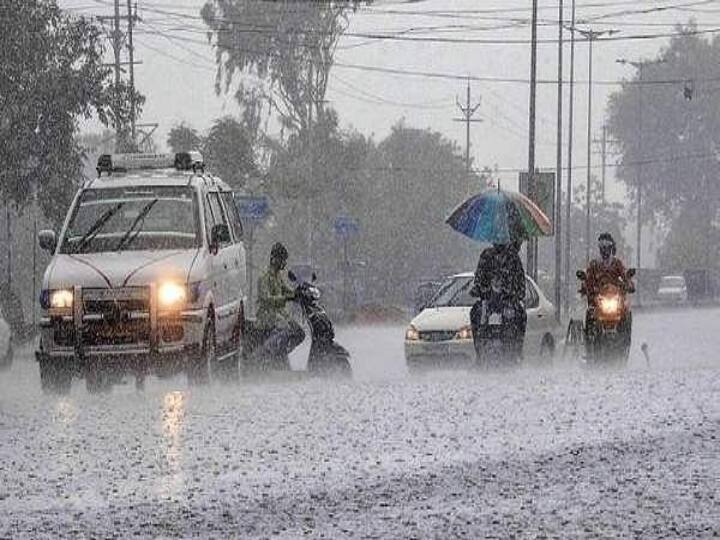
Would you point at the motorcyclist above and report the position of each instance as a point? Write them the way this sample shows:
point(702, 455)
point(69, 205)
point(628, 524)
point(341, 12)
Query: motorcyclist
point(501, 264)
point(607, 270)
point(273, 318)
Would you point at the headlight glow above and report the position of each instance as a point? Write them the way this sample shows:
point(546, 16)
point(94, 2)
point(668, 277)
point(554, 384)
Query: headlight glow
point(172, 295)
point(61, 299)
point(412, 334)
point(464, 333)
point(609, 304)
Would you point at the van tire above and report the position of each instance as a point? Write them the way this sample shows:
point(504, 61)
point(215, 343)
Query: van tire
point(547, 349)
point(54, 378)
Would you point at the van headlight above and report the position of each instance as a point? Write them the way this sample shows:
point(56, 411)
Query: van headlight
point(61, 299)
point(172, 296)
point(412, 334)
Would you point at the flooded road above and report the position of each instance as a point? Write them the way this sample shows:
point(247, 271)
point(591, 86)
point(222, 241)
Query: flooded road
point(560, 451)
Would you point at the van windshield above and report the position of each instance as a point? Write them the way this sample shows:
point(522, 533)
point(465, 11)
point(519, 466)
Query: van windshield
point(142, 218)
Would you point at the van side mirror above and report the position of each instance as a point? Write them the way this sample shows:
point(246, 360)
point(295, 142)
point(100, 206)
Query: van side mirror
point(291, 276)
point(314, 277)
point(219, 234)
point(47, 240)
point(631, 273)
point(581, 275)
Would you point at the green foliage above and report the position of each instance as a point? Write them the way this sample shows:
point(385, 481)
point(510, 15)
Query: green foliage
point(673, 144)
point(53, 74)
point(228, 152)
point(282, 50)
point(183, 138)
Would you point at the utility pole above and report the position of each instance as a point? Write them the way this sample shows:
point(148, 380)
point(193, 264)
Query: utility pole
point(468, 111)
point(532, 244)
point(131, 17)
point(558, 170)
point(125, 136)
point(117, 44)
point(568, 194)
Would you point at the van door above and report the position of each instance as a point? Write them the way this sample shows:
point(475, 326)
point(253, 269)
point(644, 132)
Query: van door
point(225, 305)
point(238, 283)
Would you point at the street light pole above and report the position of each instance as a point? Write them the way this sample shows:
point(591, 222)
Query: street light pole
point(531, 245)
point(568, 194)
point(558, 169)
point(590, 36)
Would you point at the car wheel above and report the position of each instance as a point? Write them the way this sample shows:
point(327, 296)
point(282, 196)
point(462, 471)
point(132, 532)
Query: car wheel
point(199, 366)
point(54, 378)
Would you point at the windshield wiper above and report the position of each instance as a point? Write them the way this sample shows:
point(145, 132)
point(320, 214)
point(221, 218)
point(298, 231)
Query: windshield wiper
point(140, 218)
point(95, 228)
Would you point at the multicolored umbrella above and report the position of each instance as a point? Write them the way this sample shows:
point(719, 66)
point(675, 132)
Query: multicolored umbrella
point(499, 217)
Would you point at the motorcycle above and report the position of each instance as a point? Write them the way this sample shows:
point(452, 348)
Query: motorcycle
point(326, 355)
point(498, 327)
point(608, 320)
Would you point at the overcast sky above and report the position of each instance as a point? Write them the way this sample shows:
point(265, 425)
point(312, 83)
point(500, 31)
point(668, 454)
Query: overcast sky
point(178, 70)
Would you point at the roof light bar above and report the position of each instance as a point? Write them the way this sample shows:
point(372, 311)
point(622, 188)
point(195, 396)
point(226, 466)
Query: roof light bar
point(182, 161)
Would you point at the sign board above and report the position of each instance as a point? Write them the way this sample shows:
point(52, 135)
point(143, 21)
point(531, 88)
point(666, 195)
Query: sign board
point(346, 226)
point(252, 207)
point(544, 193)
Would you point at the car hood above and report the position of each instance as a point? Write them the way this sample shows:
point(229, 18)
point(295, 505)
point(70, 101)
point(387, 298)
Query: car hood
point(119, 269)
point(443, 318)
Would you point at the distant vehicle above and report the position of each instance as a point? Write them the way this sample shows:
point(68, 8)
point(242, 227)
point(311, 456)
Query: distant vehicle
point(147, 275)
point(672, 290)
point(441, 333)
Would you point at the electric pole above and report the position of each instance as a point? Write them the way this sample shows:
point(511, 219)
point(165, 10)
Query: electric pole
point(468, 111)
point(532, 243)
point(131, 17)
point(568, 194)
point(558, 169)
point(125, 136)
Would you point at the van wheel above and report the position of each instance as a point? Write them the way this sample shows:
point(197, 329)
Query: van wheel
point(54, 378)
point(547, 349)
point(97, 379)
point(199, 367)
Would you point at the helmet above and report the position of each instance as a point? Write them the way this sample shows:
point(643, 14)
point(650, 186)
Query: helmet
point(606, 244)
point(279, 252)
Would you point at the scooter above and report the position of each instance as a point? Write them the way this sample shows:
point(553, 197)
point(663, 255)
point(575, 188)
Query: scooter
point(608, 321)
point(326, 355)
point(498, 327)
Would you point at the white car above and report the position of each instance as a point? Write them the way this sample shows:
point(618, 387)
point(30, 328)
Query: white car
point(147, 274)
point(442, 332)
point(672, 290)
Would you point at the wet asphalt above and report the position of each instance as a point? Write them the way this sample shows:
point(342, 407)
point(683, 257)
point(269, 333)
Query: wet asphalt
point(560, 451)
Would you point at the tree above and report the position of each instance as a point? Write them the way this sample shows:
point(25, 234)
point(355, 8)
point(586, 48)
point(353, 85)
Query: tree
point(53, 74)
point(282, 50)
point(228, 151)
point(676, 149)
point(183, 138)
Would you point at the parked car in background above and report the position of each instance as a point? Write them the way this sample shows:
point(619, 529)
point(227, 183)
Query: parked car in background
point(672, 290)
point(441, 332)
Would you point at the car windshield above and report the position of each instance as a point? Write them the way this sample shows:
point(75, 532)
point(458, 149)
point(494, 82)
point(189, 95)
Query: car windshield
point(674, 282)
point(455, 292)
point(143, 218)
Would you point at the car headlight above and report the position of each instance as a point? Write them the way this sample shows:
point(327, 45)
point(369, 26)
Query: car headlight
point(61, 299)
point(172, 295)
point(464, 333)
point(412, 334)
point(609, 305)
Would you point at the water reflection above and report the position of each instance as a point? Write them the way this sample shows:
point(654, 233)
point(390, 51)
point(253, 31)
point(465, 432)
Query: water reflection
point(173, 418)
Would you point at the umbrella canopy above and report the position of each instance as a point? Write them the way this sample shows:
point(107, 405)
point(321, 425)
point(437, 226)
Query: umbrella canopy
point(499, 217)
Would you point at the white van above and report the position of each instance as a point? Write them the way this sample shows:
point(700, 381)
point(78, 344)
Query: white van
point(147, 275)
